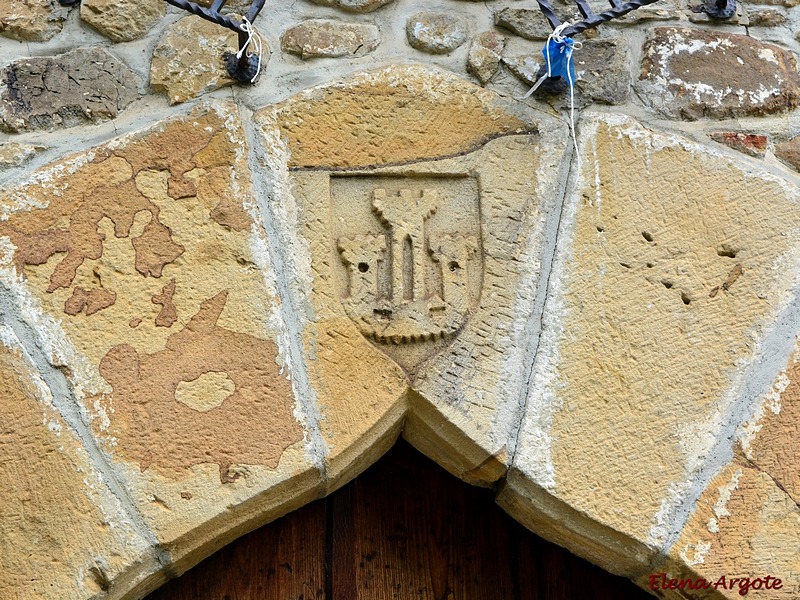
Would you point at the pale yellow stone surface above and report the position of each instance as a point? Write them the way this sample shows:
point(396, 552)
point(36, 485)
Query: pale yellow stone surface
point(62, 533)
point(31, 20)
point(410, 210)
point(188, 60)
point(147, 272)
point(360, 392)
point(673, 265)
point(123, 20)
point(486, 186)
point(206, 392)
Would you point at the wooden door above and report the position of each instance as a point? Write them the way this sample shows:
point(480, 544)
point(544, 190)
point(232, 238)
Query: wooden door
point(403, 530)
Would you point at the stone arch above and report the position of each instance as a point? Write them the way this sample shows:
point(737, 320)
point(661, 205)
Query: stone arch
point(188, 327)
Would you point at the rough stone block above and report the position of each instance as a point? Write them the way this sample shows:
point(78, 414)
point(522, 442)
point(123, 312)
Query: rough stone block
point(436, 33)
point(80, 86)
point(751, 144)
point(189, 59)
point(527, 23)
point(485, 53)
point(31, 20)
point(358, 6)
point(14, 154)
point(689, 74)
point(321, 38)
point(123, 20)
point(789, 152)
point(603, 68)
point(767, 17)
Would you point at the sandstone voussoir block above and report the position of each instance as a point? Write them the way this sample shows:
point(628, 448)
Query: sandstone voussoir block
point(145, 257)
point(629, 385)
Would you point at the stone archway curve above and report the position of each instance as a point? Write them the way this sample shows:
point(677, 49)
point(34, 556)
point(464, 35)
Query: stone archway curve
point(217, 336)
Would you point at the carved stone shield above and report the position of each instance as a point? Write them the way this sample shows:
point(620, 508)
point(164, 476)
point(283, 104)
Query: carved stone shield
point(409, 259)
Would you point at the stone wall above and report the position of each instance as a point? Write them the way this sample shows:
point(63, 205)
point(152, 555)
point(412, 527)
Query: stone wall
point(219, 302)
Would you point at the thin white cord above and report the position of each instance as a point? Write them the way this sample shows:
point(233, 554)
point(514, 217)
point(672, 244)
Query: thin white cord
point(558, 38)
point(572, 112)
point(252, 36)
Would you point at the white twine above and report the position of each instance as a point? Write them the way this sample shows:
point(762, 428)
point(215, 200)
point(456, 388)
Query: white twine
point(252, 36)
point(558, 38)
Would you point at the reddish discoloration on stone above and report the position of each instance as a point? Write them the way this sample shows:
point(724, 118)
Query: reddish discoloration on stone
point(789, 152)
point(154, 249)
point(91, 301)
point(252, 426)
point(752, 144)
point(168, 314)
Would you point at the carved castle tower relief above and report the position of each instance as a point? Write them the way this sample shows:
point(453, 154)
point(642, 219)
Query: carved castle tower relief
point(411, 281)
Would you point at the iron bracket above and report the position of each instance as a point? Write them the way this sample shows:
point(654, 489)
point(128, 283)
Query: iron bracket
point(241, 68)
point(718, 9)
point(244, 67)
point(590, 19)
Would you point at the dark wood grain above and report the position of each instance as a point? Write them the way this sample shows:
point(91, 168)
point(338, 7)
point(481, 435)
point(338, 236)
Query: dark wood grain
point(404, 530)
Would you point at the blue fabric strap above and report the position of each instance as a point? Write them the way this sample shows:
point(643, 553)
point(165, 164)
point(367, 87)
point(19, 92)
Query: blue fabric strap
point(557, 55)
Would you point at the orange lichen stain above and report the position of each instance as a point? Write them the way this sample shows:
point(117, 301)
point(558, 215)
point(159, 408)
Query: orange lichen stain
point(196, 154)
point(775, 449)
point(90, 301)
point(253, 426)
point(168, 314)
point(89, 197)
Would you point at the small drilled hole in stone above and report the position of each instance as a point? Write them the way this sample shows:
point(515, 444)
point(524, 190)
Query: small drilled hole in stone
point(666, 283)
point(647, 236)
point(649, 265)
point(727, 252)
point(685, 298)
point(600, 229)
point(453, 266)
point(363, 267)
point(626, 265)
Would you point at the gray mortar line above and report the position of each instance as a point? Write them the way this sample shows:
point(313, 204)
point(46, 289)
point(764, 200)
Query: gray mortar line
point(69, 408)
point(551, 234)
point(775, 351)
point(145, 113)
point(278, 247)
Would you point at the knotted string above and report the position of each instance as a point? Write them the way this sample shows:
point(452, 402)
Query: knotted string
point(561, 65)
point(252, 36)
